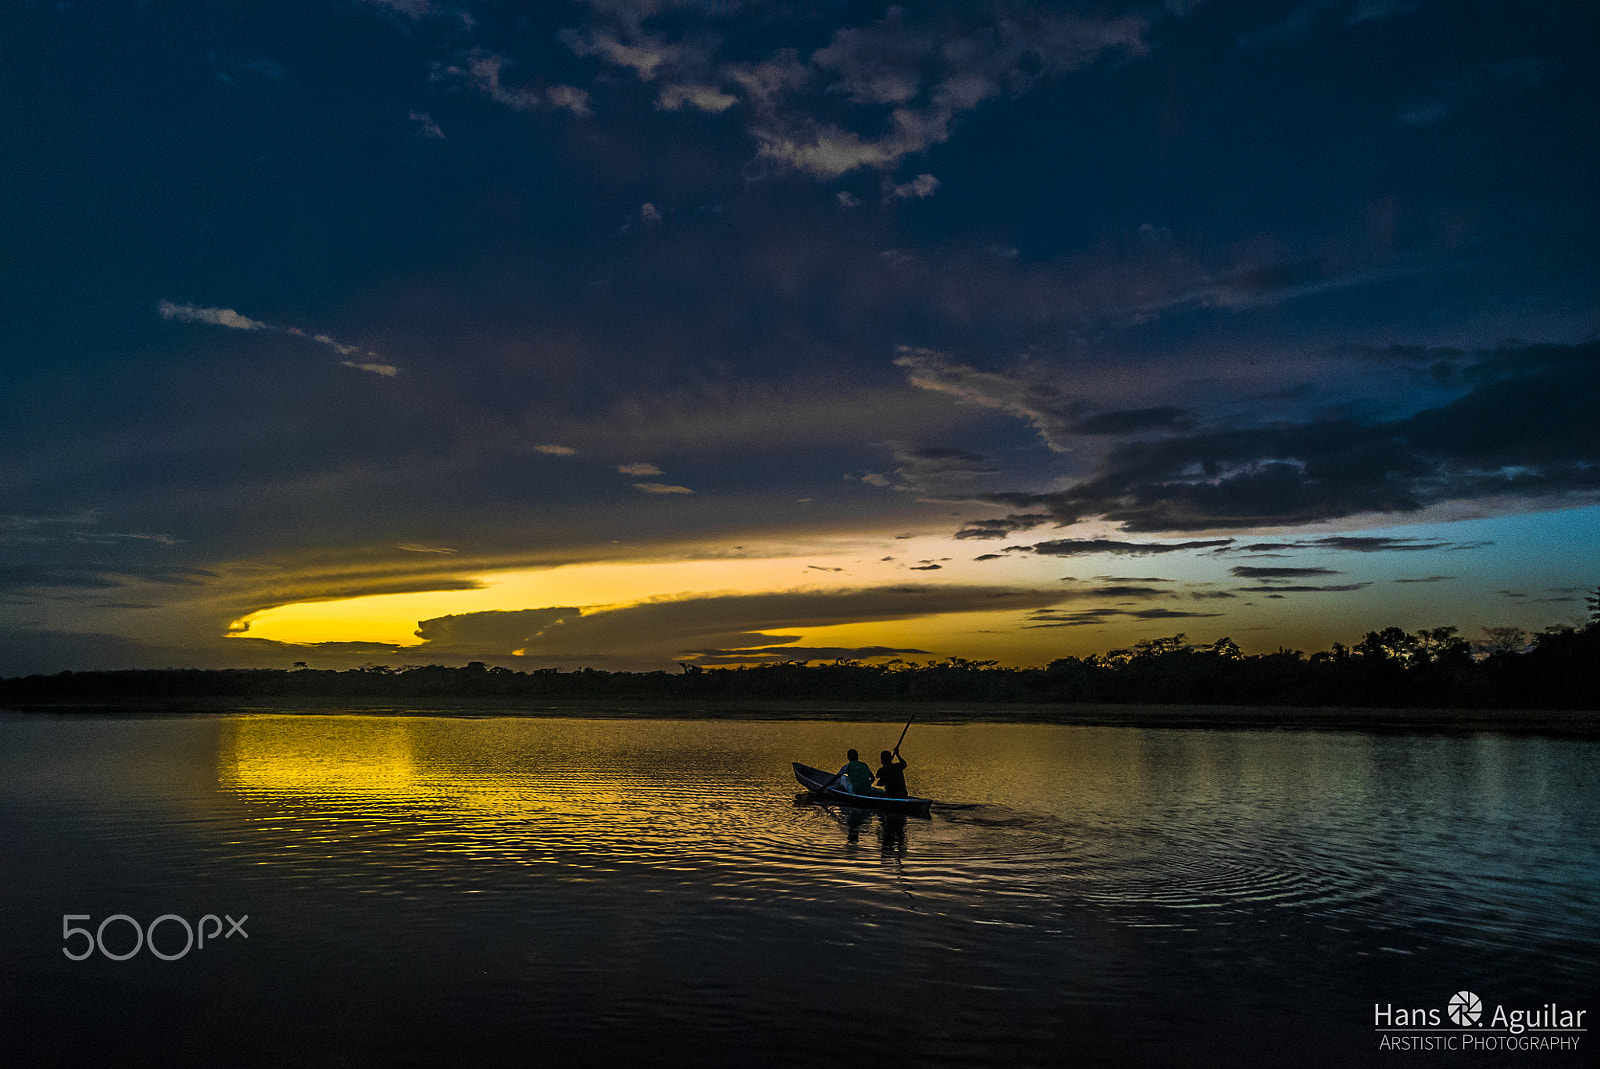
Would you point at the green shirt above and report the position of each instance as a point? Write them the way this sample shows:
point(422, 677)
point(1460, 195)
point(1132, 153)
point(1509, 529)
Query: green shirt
point(859, 775)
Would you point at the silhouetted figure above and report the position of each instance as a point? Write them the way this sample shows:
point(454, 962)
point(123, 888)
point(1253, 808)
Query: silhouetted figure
point(892, 776)
point(857, 777)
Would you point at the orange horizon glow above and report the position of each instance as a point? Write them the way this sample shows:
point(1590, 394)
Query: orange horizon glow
point(1383, 591)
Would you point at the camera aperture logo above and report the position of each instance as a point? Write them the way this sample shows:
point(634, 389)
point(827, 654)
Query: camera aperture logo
point(1549, 1027)
point(1465, 1008)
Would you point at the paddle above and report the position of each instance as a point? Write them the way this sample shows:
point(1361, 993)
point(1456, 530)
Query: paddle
point(902, 737)
point(903, 731)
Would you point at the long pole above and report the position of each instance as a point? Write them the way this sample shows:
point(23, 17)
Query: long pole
point(903, 731)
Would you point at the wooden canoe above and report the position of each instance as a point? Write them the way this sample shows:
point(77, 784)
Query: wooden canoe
point(819, 783)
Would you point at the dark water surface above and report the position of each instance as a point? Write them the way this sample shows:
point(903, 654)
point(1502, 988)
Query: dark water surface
point(510, 891)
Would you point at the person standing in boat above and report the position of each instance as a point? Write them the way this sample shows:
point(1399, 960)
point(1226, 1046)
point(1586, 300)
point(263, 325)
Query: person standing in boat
point(892, 776)
point(856, 774)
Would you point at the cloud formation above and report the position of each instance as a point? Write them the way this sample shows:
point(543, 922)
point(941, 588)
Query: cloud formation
point(1033, 399)
point(1089, 617)
point(483, 72)
point(1245, 572)
point(1078, 547)
point(1355, 544)
point(927, 68)
point(387, 371)
point(426, 127)
point(217, 317)
point(919, 188)
point(1304, 589)
point(780, 654)
point(227, 317)
point(721, 627)
point(502, 632)
point(1002, 526)
point(1522, 426)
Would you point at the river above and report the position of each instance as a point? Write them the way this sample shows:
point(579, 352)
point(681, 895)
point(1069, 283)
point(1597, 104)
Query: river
point(382, 890)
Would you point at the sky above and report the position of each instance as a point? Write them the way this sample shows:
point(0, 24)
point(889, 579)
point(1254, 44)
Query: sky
point(632, 333)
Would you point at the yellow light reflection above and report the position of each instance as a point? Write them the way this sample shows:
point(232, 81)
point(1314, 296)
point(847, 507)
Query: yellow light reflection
point(329, 757)
point(502, 767)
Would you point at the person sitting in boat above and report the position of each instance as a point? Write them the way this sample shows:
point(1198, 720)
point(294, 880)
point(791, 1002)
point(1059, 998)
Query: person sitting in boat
point(855, 776)
point(892, 776)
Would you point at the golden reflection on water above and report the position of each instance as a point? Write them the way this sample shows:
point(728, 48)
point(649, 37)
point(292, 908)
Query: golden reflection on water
point(662, 871)
point(273, 757)
point(630, 790)
point(468, 773)
point(543, 764)
point(1032, 823)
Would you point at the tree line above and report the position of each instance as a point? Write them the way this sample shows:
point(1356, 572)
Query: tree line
point(1557, 668)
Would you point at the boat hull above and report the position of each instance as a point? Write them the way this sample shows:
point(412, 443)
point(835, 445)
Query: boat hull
point(818, 783)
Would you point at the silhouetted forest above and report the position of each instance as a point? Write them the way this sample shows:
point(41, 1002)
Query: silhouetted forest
point(1558, 668)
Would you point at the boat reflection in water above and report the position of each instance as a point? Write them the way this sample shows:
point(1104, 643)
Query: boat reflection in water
point(891, 827)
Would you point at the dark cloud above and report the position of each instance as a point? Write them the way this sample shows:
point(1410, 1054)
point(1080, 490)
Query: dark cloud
point(1134, 589)
point(25, 651)
point(872, 95)
point(1244, 572)
point(944, 458)
point(655, 633)
point(940, 470)
point(1002, 526)
point(1428, 579)
point(501, 631)
point(292, 588)
point(1123, 591)
point(45, 651)
point(1085, 617)
point(1165, 417)
point(25, 576)
point(1170, 614)
point(778, 654)
point(1525, 428)
point(1076, 547)
point(1355, 544)
point(1279, 590)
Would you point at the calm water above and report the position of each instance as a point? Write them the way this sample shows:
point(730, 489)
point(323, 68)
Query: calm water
point(505, 891)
